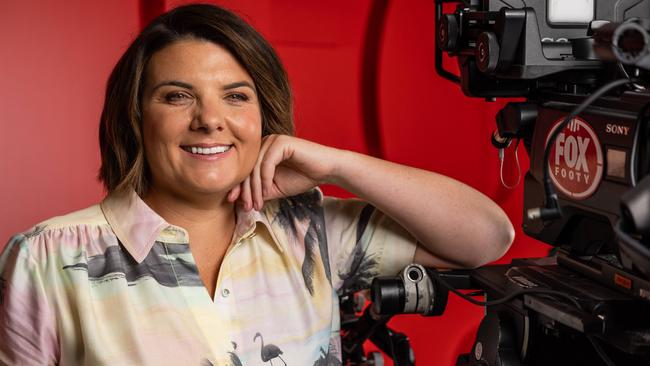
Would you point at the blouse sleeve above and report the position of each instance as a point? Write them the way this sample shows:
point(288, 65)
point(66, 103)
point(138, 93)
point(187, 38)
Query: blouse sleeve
point(27, 331)
point(363, 243)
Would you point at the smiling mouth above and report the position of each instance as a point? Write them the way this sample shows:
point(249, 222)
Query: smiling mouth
point(206, 150)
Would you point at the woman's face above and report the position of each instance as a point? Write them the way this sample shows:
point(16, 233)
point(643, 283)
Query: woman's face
point(201, 119)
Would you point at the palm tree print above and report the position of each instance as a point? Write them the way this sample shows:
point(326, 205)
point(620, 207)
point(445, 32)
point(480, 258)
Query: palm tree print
point(302, 208)
point(363, 267)
point(234, 359)
point(327, 359)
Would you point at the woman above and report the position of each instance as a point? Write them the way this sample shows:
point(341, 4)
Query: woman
point(213, 245)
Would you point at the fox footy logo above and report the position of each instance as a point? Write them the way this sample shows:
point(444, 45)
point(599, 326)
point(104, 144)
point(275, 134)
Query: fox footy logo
point(576, 159)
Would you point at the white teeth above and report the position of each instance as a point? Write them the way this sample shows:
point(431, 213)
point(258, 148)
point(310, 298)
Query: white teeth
point(208, 150)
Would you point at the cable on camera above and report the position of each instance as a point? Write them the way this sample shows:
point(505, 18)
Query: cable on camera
point(501, 162)
point(434, 273)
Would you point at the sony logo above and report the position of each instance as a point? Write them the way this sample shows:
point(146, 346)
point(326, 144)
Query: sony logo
point(617, 129)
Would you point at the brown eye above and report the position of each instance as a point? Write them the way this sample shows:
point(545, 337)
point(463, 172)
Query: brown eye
point(237, 97)
point(176, 97)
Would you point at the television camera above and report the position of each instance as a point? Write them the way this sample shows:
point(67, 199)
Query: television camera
point(580, 71)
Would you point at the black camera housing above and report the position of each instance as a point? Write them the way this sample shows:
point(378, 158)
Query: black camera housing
point(590, 302)
point(506, 51)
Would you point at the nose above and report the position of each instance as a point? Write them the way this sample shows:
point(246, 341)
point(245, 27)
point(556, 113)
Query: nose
point(209, 117)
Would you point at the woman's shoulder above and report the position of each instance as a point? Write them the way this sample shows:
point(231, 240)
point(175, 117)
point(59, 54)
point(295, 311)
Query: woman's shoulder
point(67, 228)
point(89, 216)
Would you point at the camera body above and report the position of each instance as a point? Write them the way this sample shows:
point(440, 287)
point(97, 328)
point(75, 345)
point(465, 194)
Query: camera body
point(593, 162)
point(555, 53)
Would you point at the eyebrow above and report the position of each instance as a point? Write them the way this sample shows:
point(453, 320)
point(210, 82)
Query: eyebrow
point(191, 87)
point(173, 83)
point(238, 84)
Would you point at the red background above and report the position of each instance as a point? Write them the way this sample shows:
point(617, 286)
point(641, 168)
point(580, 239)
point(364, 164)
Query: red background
point(55, 58)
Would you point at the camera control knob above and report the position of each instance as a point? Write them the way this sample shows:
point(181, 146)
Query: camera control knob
point(495, 342)
point(487, 52)
point(448, 33)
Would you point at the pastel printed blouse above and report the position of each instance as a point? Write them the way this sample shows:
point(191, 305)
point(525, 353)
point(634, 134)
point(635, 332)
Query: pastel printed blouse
point(114, 284)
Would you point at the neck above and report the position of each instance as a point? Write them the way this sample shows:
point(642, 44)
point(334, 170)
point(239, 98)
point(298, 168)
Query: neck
point(192, 214)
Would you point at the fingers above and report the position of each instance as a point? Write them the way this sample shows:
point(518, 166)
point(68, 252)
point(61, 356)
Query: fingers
point(256, 185)
point(245, 196)
point(276, 154)
point(234, 193)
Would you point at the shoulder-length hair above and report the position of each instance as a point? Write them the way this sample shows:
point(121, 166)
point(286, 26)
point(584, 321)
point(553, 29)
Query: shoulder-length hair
point(124, 165)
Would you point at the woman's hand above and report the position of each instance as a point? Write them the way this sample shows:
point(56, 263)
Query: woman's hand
point(286, 166)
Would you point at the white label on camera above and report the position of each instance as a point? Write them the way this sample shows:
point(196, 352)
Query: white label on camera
point(570, 11)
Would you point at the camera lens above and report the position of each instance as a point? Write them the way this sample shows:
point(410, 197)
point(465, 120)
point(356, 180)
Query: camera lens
point(387, 294)
point(630, 42)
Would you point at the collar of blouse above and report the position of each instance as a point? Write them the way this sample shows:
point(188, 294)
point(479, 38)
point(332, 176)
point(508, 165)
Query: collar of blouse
point(138, 227)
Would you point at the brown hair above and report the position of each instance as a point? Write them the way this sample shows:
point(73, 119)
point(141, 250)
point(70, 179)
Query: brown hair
point(120, 134)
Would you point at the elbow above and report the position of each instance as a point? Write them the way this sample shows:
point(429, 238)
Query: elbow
point(494, 246)
point(503, 237)
point(507, 237)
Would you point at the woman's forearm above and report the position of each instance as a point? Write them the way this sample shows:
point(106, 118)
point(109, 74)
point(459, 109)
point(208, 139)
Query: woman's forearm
point(451, 220)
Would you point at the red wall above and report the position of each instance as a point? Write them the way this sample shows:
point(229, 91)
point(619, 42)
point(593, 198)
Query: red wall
point(56, 58)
